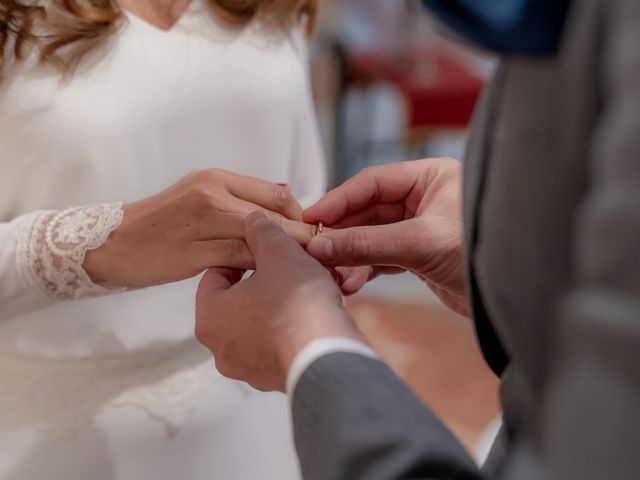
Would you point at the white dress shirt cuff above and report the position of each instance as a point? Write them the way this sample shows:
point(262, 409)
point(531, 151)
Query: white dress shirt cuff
point(320, 348)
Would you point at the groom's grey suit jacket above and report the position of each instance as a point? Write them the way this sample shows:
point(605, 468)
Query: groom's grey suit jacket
point(552, 212)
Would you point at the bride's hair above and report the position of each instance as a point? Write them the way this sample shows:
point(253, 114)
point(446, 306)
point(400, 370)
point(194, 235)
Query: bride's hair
point(65, 30)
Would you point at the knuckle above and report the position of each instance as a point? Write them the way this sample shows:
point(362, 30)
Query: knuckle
point(310, 231)
point(192, 177)
point(367, 171)
point(259, 228)
point(203, 334)
point(449, 160)
point(282, 196)
point(223, 366)
point(227, 361)
point(375, 216)
point(267, 228)
point(202, 197)
point(203, 177)
point(357, 247)
point(235, 249)
point(199, 195)
point(448, 171)
point(370, 172)
point(278, 219)
point(213, 174)
point(449, 164)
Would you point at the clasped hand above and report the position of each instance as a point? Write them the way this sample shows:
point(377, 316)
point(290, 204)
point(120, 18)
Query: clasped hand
point(399, 217)
point(193, 225)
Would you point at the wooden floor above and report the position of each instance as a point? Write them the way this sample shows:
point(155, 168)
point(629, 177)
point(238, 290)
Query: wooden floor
point(436, 353)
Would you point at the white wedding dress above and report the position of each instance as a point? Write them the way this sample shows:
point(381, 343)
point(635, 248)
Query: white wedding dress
point(116, 387)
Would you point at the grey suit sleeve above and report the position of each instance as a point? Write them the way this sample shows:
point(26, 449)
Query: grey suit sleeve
point(354, 419)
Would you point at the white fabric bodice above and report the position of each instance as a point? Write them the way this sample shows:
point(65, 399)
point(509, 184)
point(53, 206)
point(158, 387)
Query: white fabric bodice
point(152, 108)
point(141, 112)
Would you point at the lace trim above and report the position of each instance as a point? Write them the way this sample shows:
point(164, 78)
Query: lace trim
point(52, 246)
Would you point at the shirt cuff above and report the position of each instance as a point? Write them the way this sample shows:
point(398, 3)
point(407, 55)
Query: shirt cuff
point(320, 348)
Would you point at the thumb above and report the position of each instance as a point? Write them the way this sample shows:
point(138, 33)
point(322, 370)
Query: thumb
point(212, 288)
point(266, 239)
point(390, 245)
point(215, 282)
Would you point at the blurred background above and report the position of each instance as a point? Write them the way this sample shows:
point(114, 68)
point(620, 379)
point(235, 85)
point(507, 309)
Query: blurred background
point(389, 86)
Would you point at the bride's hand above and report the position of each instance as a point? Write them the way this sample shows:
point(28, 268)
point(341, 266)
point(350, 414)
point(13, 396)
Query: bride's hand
point(195, 224)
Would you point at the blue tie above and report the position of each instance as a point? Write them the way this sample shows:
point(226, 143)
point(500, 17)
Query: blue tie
point(531, 27)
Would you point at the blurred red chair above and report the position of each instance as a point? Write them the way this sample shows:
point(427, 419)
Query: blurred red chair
point(439, 91)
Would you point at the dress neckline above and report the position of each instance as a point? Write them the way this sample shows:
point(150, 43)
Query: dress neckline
point(185, 13)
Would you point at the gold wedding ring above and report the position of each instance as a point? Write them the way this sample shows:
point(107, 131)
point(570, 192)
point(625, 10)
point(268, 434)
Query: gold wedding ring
point(320, 228)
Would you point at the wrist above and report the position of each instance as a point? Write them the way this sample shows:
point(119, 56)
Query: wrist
point(320, 348)
point(316, 326)
point(99, 262)
point(95, 264)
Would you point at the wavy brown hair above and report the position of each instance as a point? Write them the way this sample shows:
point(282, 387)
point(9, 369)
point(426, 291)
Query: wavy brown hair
point(65, 30)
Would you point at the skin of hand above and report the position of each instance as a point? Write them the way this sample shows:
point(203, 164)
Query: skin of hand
point(399, 217)
point(255, 327)
point(195, 224)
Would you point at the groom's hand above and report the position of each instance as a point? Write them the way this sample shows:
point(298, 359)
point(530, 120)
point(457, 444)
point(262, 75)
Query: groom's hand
point(255, 327)
point(402, 216)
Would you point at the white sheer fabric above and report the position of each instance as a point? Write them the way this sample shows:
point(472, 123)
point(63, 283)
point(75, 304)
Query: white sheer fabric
point(116, 386)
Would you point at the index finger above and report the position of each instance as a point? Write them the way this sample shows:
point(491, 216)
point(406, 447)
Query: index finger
point(384, 184)
point(271, 196)
point(299, 231)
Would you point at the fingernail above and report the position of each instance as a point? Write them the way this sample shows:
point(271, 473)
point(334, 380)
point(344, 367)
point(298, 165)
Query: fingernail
point(283, 184)
point(321, 248)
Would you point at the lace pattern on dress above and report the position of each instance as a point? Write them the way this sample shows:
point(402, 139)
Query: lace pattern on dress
point(52, 246)
point(63, 396)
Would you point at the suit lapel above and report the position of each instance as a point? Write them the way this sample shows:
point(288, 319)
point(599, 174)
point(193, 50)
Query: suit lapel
point(476, 165)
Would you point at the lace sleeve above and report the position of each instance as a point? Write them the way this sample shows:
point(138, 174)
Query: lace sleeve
point(51, 247)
